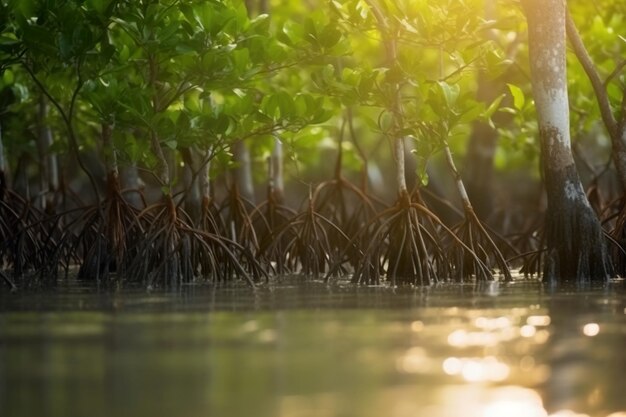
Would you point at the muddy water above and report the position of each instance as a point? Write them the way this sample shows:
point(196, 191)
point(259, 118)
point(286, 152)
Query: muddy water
point(288, 350)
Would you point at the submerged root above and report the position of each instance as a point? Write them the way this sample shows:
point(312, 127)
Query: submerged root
point(348, 207)
point(106, 237)
point(268, 218)
point(308, 242)
point(25, 239)
point(479, 254)
point(236, 214)
point(172, 252)
point(402, 244)
point(617, 236)
point(576, 245)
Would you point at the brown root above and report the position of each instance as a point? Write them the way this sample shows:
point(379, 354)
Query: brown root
point(172, 252)
point(402, 244)
point(478, 255)
point(24, 237)
point(308, 243)
point(268, 218)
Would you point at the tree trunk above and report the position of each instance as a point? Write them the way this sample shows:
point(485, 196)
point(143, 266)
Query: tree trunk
point(191, 179)
point(3, 168)
point(110, 158)
point(616, 127)
point(481, 149)
point(131, 181)
point(243, 171)
point(162, 168)
point(204, 181)
point(48, 165)
point(276, 172)
point(576, 249)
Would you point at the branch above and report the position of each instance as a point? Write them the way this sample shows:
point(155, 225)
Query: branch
point(68, 119)
point(615, 73)
point(592, 74)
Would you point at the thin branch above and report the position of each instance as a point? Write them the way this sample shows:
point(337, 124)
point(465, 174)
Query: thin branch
point(615, 73)
point(67, 118)
point(592, 74)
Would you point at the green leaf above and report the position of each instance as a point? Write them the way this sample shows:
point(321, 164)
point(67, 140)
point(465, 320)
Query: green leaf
point(450, 92)
point(518, 96)
point(8, 77)
point(329, 37)
point(493, 106)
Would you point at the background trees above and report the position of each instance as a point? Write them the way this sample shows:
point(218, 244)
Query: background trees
point(176, 90)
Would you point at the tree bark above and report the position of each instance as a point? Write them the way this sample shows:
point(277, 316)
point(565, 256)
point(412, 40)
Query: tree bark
point(110, 158)
point(3, 168)
point(615, 127)
point(204, 181)
point(3, 165)
point(162, 168)
point(276, 171)
point(48, 164)
point(243, 171)
point(191, 180)
point(131, 181)
point(576, 249)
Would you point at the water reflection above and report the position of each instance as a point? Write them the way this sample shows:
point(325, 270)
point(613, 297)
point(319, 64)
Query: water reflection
point(446, 351)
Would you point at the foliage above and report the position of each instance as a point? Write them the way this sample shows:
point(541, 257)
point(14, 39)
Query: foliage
point(202, 75)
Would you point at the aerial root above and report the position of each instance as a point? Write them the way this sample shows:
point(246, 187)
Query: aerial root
point(479, 254)
point(23, 233)
point(309, 243)
point(268, 218)
point(172, 252)
point(401, 243)
point(236, 214)
point(617, 236)
point(350, 209)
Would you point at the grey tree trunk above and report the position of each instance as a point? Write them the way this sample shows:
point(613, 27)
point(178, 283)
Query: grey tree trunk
point(243, 171)
point(191, 180)
point(204, 181)
point(130, 180)
point(277, 182)
point(3, 168)
point(3, 164)
point(110, 154)
point(576, 249)
point(49, 167)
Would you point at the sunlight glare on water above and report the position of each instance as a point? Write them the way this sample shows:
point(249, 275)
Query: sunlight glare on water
point(316, 351)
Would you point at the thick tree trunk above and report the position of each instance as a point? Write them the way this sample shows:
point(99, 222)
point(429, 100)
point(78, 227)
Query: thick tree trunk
point(576, 249)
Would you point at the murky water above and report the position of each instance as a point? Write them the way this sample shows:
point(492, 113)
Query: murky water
point(520, 349)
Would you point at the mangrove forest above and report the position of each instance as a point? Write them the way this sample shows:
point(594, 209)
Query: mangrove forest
point(407, 142)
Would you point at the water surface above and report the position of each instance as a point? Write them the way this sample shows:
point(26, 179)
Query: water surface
point(300, 350)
